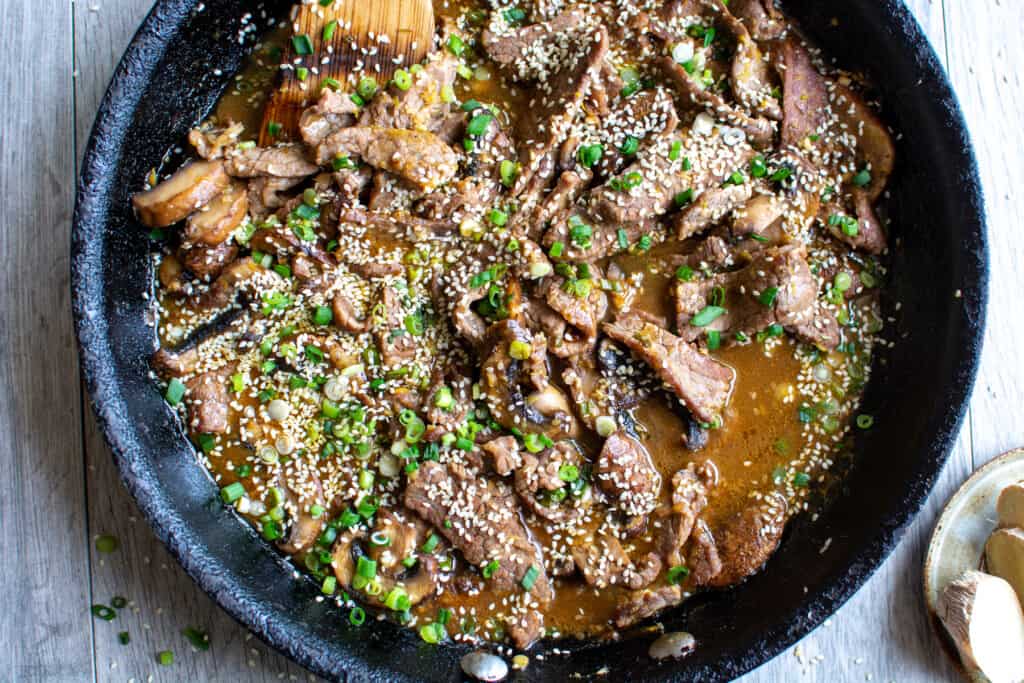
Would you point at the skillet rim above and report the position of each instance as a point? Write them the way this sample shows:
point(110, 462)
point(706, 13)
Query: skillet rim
point(115, 117)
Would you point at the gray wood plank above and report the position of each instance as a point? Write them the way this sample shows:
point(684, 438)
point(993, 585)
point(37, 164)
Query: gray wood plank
point(164, 600)
point(882, 633)
point(46, 625)
point(987, 76)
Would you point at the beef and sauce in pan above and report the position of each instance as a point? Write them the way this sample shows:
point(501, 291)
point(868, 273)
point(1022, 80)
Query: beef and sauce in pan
point(543, 335)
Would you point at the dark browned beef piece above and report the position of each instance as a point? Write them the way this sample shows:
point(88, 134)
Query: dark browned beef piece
point(505, 455)
point(537, 51)
point(759, 131)
point(352, 183)
point(548, 120)
point(760, 17)
point(709, 208)
point(421, 106)
point(626, 473)
point(480, 517)
point(748, 539)
point(804, 94)
point(207, 401)
point(712, 252)
point(467, 195)
point(395, 343)
point(539, 473)
point(603, 562)
point(206, 262)
point(441, 421)
point(646, 603)
point(401, 225)
point(265, 194)
point(333, 111)
point(582, 313)
point(419, 157)
point(647, 114)
point(702, 559)
point(282, 161)
point(170, 363)
point(777, 287)
point(875, 149)
point(689, 498)
point(701, 382)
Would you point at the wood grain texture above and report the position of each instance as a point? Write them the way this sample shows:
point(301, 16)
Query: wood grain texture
point(989, 86)
point(45, 627)
point(52, 574)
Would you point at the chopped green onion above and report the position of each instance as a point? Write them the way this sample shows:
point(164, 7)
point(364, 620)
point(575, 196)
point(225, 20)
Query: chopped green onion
point(302, 44)
point(107, 543)
point(365, 567)
point(863, 178)
point(329, 28)
point(431, 543)
point(677, 574)
point(402, 80)
point(273, 128)
point(432, 633)
point(456, 45)
point(367, 87)
point(124, 638)
point(630, 145)
point(706, 316)
point(530, 577)
point(175, 391)
point(165, 658)
point(199, 639)
point(477, 125)
point(683, 198)
point(865, 421)
point(801, 479)
point(714, 340)
point(568, 473)
point(490, 568)
point(357, 616)
point(684, 273)
point(768, 296)
point(103, 612)
point(232, 492)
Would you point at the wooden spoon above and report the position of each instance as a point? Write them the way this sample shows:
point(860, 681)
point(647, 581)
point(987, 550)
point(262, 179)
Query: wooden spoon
point(355, 37)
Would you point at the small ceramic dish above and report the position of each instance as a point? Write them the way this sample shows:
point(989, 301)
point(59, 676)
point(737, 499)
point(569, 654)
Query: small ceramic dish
point(958, 542)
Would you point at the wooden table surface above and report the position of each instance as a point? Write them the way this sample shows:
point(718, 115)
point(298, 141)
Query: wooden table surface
point(60, 487)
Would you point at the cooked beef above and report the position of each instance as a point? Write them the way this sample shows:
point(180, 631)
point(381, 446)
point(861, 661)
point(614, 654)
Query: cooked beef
point(206, 262)
point(304, 528)
point(646, 603)
point(539, 474)
point(538, 51)
point(281, 161)
point(702, 558)
point(401, 225)
point(759, 131)
point(748, 539)
point(757, 215)
point(207, 401)
point(760, 17)
point(395, 343)
point(776, 288)
point(225, 288)
point(332, 112)
point(874, 146)
point(546, 123)
point(505, 454)
point(265, 194)
point(625, 472)
point(750, 72)
point(422, 105)
point(214, 223)
point(190, 188)
point(702, 383)
point(804, 94)
point(709, 208)
point(346, 317)
point(689, 498)
point(175, 363)
point(584, 313)
point(352, 183)
point(603, 562)
point(210, 142)
point(479, 517)
point(419, 157)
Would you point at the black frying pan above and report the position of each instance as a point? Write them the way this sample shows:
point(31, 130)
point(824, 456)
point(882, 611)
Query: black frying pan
point(167, 82)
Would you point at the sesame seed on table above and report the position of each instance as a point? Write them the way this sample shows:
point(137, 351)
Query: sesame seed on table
point(62, 492)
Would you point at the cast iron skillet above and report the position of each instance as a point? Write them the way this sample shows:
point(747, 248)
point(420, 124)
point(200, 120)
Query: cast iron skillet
point(166, 82)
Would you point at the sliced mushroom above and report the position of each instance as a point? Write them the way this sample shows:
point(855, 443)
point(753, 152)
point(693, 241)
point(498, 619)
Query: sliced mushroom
point(1004, 556)
point(1010, 507)
point(215, 222)
point(191, 188)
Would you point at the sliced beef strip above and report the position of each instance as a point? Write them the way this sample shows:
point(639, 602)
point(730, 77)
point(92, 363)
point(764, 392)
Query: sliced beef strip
point(689, 498)
point(505, 454)
point(480, 518)
point(395, 343)
point(175, 363)
point(420, 106)
point(542, 319)
point(701, 382)
point(206, 262)
point(419, 157)
point(709, 208)
point(207, 401)
point(764, 22)
point(804, 94)
point(440, 420)
point(539, 473)
point(875, 149)
point(224, 290)
point(783, 270)
point(646, 603)
point(748, 539)
point(281, 161)
point(465, 196)
point(749, 73)
point(625, 472)
point(584, 314)
point(518, 392)
point(702, 558)
point(401, 225)
point(603, 562)
point(538, 51)
point(645, 115)
point(759, 131)
point(548, 120)
point(346, 317)
point(352, 183)
point(265, 194)
point(332, 112)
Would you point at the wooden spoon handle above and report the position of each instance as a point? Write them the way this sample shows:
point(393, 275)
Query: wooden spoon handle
point(344, 41)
